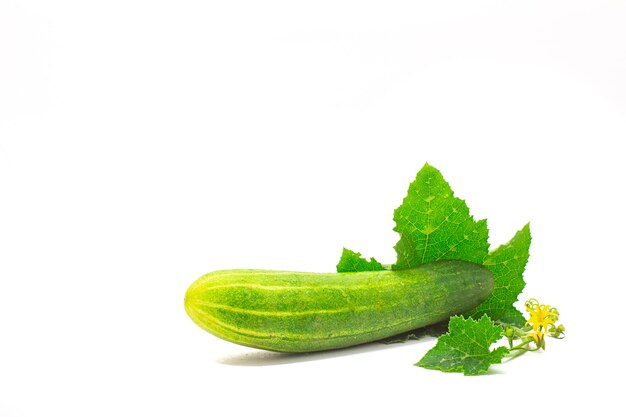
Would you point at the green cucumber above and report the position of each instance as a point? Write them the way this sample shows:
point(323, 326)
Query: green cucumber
point(305, 312)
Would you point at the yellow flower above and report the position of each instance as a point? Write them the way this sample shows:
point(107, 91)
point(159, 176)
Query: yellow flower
point(542, 316)
point(537, 336)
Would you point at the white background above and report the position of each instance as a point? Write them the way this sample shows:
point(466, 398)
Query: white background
point(145, 143)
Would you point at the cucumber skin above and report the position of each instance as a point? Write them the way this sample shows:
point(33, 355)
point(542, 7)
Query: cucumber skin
point(305, 312)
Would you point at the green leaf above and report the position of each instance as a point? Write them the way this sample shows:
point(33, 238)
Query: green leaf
point(507, 263)
point(353, 262)
point(512, 316)
point(434, 224)
point(466, 347)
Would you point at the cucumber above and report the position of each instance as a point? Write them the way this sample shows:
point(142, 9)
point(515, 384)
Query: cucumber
point(305, 312)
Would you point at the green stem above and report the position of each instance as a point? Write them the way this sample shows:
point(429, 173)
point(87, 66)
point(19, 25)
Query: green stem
point(521, 346)
point(520, 349)
point(515, 354)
